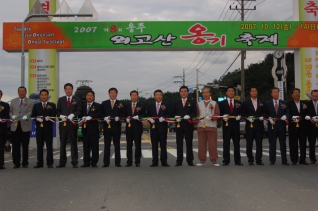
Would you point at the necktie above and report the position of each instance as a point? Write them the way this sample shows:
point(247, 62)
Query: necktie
point(183, 102)
point(88, 107)
point(276, 107)
point(133, 109)
point(21, 103)
point(44, 105)
point(231, 106)
point(112, 104)
point(255, 104)
point(68, 103)
point(158, 105)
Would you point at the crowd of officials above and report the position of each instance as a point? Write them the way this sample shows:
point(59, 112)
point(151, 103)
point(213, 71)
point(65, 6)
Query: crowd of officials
point(300, 116)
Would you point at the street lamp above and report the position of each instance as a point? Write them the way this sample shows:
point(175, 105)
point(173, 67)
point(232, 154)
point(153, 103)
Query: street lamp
point(39, 16)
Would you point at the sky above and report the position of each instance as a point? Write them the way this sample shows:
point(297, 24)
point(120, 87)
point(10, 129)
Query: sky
point(145, 71)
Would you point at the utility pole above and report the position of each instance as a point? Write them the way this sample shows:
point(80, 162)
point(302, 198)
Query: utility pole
point(242, 11)
point(182, 78)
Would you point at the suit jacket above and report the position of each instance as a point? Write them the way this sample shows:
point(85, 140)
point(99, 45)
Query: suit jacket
point(4, 114)
point(190, 109)
point(248, 110)
point(293, 111)
point(270, 112)
point(311, 112)
point(237, 110)
point(135, 125)
point(107, 110)
point(26, 109)
point(164, 111)
point(95, 111)
point(75, 107)
point(49, 110)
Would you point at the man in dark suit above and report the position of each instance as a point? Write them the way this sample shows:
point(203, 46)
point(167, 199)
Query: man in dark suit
point(4, 114)
point(157, 112)
point(132, 112)
point(297, 129)
point(91, 112)
point(253, 109)
point(312, 116)
point(20, 110)
point(68, 107)
point(42, 112)
point(231, 110)
point(277, 113)
point(184, 109)
point(111, 112)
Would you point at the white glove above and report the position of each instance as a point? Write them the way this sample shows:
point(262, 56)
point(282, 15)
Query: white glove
point(116, 118)
point(47, 118)
point(107, 119)
point(261, 118)
point(283, 118)
point(128, 120)
point(225, 117)
point(238, 118)
point(314, 118)
point(14, 116)
point(271, 120)
point(135, 117)
point(71, 116)
point(39, 119)
point(24, 117)
point(88, 118)
point(307, 117)
point(250, 118)
point(186, 117)
point(208, 117)
point(63, 118)
point(161, 119)
point(151, 120)
point(177, 118)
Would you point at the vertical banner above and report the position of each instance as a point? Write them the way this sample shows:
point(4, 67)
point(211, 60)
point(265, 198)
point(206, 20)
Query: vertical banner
point(43, 64)
point(308, 66)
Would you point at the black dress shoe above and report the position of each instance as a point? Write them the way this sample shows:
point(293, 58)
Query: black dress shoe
point(294, 164)
point(105, 165)
point(2, 167)
point(75, 166)
point(225, 164)
point(137, 165)
point(85, 165)
point(37, 167)
point(153, 165)
point(260, 163)
point(304, 163)
point(165, 165)
point(118, 165)
point(312, 162)
point(25, 166)
point(50, 166)
point(60, 166)
point(251, 163)
point(190, 164)
point(239, 164)
point(272, 163)
point(178, 164)
point(285, 163)
point(128, 165)
point(94, 165)
point(16, 167)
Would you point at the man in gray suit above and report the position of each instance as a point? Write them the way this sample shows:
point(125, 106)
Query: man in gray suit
point(20, 110)
point(68, 107)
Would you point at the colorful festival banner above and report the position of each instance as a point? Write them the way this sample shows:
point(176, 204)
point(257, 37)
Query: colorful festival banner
point(162, 36)
point(307, 10)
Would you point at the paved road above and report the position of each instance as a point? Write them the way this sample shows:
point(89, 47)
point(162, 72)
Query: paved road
point(175, 188)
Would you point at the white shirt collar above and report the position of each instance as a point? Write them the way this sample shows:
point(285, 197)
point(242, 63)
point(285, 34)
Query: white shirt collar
point(184, 99)
point(69, 97)
point(158, 103)
point(276, 100)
